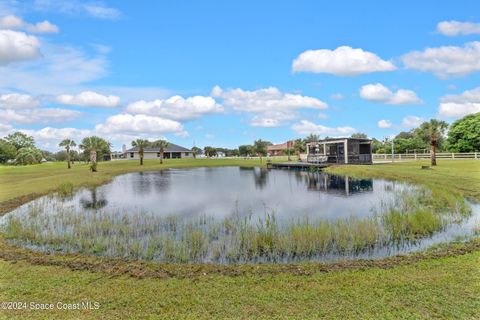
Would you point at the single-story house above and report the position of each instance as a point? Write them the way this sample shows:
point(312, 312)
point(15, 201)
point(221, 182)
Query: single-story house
point(173, 151)
point(340, 150)
point(279, 149)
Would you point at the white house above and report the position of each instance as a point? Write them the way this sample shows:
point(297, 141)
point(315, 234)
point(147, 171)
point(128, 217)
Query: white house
point(172, 152)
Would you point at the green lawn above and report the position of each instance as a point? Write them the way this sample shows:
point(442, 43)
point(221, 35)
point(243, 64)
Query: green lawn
point(445, 286)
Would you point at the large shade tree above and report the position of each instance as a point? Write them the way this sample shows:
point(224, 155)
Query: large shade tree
point(432, 132)
point(67, 144)
point(464, 134)
point(20, 140)
point(28, 155)
point(260, 146)
point(7, 151)
point(94, 146)
point(141, 144)
point(161, 145)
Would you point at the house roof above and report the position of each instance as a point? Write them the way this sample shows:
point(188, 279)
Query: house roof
point(281, 146)
point(171, 148)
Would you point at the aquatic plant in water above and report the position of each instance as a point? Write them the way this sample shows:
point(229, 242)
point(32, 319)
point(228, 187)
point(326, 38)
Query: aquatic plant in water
point(412, 215)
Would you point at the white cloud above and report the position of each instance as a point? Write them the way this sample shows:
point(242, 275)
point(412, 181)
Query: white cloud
point(5, 129)
point(271, 119)
point(343, 61)
point(49, 138)
point(60, 70)
point(456, 106)
point(11, 22)
point(138, 125)
point(454, 28)
point(89, 99)
point(176, 107)
point(322, 116)
point(43, 27)
point(412, 121)
point(102, 12)
point(446, 61)
point(337, 96)
point(93, 8)
point(379, 93)
point(38, 115)
point(306, 127)
point(268, 99)
point(17, 101)
point(270, 106)
point(384, 124)
point(17, 46)
point(14, 22)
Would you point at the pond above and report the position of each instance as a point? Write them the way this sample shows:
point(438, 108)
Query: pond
point(240, 215)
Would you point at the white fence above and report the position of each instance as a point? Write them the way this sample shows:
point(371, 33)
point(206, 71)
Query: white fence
point(379, 157)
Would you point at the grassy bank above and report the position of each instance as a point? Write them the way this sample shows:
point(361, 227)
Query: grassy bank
point(439, 284)
point(21, 183)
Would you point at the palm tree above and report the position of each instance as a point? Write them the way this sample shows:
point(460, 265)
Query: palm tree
point(161, 145)
point(67, 143)
point(141, 144)
point(195, 150)
point(93, 145)
point(432, 132)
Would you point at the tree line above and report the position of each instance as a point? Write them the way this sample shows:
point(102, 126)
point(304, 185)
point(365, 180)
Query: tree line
point(431, 136)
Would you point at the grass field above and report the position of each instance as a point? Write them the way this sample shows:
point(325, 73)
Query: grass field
point(443, 283)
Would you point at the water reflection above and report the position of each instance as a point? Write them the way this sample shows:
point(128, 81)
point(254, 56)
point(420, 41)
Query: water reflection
point(345, 186)
point(236, 215)
point(94, 201)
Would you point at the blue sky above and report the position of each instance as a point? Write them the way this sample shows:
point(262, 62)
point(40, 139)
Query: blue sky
point(224, 73)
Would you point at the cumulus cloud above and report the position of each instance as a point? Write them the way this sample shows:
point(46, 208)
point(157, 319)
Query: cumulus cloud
point(270, 106)
point(11, 22)
point(384, 124)
point(446, 61)
point(14, 22)
point(379, 93)
point(176, 107)
point(89, 99)
point(38, 115)
point(412, 121)
point(455, 28)
point(17, 101)
point(305, 127)
point(5, 129)
point(343, 61)
point(457, 106)
point(127, 125)
point(17, 46)
point(49, 138)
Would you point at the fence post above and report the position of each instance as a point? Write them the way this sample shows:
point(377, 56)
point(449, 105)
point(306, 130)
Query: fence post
point(453, 155)
point(476, 155)
point(415, 156)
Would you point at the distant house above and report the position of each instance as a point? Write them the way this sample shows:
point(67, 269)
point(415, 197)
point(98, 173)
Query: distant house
point(172, 152)
point(279, 149)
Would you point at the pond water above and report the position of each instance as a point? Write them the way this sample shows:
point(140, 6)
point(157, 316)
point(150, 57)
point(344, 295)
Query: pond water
point(232, 214)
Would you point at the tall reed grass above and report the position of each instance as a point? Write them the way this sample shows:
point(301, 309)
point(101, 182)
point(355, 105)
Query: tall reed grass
point(414, 214)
